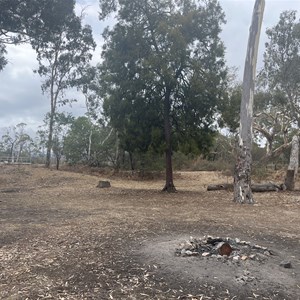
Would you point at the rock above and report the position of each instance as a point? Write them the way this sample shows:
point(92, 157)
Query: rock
point(188, 246)
point(224, 249)
point(244, 243)
point(103, 184)
point(193, 240)
point(257, 247)
point(261, 257)
point(286, 264)
point(219, 245)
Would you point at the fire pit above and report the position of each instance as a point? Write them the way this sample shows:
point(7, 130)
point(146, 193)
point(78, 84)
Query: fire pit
point(223, 249)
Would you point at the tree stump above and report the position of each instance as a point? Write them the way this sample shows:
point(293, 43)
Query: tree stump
point(103, 184)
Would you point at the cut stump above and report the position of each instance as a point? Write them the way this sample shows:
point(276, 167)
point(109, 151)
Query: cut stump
point(103, 184)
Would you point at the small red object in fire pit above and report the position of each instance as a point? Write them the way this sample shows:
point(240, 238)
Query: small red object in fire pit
point(225, 249)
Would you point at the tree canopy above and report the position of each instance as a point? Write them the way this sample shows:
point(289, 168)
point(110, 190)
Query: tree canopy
point(90, 143)
point(28, 20)
point(62, 54)
point(281, 72)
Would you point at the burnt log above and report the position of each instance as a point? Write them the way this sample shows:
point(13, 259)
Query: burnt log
point(257, 188)
point(269, 187)
point(220, 187)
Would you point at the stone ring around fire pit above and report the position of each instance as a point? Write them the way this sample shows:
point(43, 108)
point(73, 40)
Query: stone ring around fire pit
point(223, 249)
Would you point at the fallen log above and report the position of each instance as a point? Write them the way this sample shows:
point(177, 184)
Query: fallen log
point(257, 188)
point(269, 187)
point(219, 187)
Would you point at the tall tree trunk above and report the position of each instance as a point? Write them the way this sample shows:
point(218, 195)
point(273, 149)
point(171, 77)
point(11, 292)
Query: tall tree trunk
point(117, 154)
point(131, 160)
point(90, 146)
point(292, 170)
point(49, 142)
point(57, 162)
point(169, 186)
point(12, 151)
point(89, 117)
point(242, 172)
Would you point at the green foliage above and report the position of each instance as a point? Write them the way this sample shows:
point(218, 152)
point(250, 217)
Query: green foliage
point(76, 141)
point(16, 142)
point(62, 54)
point(30, 20)
point(230, 109)
point(281, 72)
point(103, 144)
point(163, 62)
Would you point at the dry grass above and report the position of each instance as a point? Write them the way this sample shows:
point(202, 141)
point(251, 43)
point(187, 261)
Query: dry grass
point(63, 238)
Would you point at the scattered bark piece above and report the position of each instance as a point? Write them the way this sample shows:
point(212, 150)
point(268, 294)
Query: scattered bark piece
point(10, 190)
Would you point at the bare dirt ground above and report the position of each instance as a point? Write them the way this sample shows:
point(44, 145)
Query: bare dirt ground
point(63, 238)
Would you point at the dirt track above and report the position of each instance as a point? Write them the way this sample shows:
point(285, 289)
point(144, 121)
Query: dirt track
point(63, 238)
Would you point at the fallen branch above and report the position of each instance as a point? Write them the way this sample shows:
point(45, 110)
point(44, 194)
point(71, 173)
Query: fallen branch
point(219, 187)
point(267, 187)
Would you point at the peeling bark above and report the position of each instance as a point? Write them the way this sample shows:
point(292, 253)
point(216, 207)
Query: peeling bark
point(292, 170)
point(242, 172)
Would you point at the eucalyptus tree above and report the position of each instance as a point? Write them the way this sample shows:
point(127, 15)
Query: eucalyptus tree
point(281, 72)
point(63, 122)
point(270, 122)
point(163, 74)
point(243, 165)
point(61, 54)
point(281, 76)
point(16, 141)
point(81, 147)
point(86, 84)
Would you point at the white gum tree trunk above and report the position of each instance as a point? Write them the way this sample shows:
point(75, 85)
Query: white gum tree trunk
point(242, 172)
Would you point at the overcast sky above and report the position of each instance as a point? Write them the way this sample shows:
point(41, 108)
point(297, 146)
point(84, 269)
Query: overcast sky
point(21, 99)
